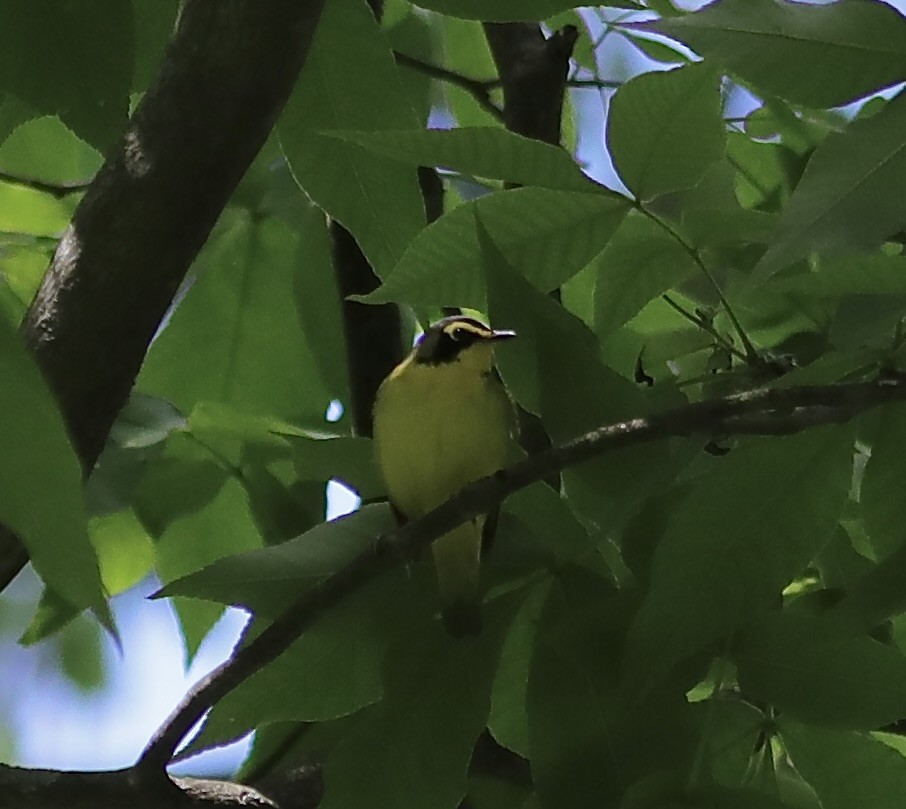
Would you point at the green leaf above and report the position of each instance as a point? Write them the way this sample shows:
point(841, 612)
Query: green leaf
point(480, 151)
point(45, 149)
point(41, 480)
point(267, 580)
point(588, 741)
point(221, 529)
point(850, 195)
point(350, 67)
point(549, 235)
point(507, 719)
point(318, 303)
point(347, 459)
point(883, 503)
point(69, 60)
point(24, 210)
point(847, 770)
point(811, 669)
point(234, 339)
point(737, 540)
point(876, 274)
point(333, 670)
point(665, 128)
point(641, 262)
point(436, 691)
point(554, 369)
point(497, 10)
point(852, 48)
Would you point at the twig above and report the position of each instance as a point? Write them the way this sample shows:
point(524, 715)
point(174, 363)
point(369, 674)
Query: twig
point(764, 410)
point(705, 326)
point(605, 84)
point(752, 355)
point(58, 190)
point(479, 89)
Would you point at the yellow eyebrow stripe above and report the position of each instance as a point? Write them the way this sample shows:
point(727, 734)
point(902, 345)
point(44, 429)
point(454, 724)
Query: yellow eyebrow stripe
point(471, 327)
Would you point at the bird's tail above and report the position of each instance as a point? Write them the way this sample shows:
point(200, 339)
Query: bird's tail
point(457, 559)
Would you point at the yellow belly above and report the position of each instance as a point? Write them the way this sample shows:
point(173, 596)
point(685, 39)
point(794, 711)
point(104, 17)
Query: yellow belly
point(436, 429)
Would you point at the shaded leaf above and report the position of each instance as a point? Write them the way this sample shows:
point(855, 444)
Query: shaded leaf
point(812, 670)
point(847, 770)
point(41, 480)
point(736, 541)
point(499, 10)
point(664, 129)
point(268, 580)
point(72, 61)
point(852, 47)
point(641, 262)
point(331, 671)
point(481, 151)
point(348, 67)
point(549, 235)
point(850, 194)
point(235, 339)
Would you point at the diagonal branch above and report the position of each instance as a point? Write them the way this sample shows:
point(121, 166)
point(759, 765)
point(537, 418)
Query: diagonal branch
point(767, 411)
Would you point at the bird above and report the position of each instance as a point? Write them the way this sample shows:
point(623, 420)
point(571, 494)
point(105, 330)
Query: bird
point(442, 419)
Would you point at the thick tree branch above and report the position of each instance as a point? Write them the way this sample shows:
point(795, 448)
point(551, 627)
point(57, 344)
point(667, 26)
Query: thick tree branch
point(763, 411)
point(51, 789)
point(533, 71)
point(224, 79)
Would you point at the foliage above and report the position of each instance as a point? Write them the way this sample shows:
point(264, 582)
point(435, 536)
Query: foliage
point(711, 621)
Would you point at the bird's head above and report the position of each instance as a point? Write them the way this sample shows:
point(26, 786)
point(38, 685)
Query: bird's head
point(459, 339)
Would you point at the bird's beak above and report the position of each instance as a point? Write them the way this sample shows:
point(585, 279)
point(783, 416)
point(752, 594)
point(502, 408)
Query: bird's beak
point(503, 334)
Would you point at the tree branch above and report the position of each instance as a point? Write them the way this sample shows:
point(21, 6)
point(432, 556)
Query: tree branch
point(51, 789)
point(762, 411)
point(479, 89)
point(533, 71)
point(224, 79)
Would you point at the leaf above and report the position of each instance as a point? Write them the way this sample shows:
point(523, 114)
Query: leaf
point(850, 195)
point(332, 670)
point(876, 274)
point(436, 691)
point(811, 669)
point(69, 60)
point(266, 581)
point(350, 67)
point(847, 770)
point(507, 719)
point(497, 10)
point(41, 480)
point(347, 459)
point(641, 262)
point(852, 48)
point(224, 527)
point(554, 369)
point(45, 149)
point(549, 235)
point(587, 740)
point(664, 129)
point(480, 151)
point(234, 339)
point(737, 540)
point(883, 503)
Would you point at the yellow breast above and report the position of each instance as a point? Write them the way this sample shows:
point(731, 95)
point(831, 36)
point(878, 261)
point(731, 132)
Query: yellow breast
point(437, 428)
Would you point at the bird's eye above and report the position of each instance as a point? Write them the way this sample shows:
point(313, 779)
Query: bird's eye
point(457, 334)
